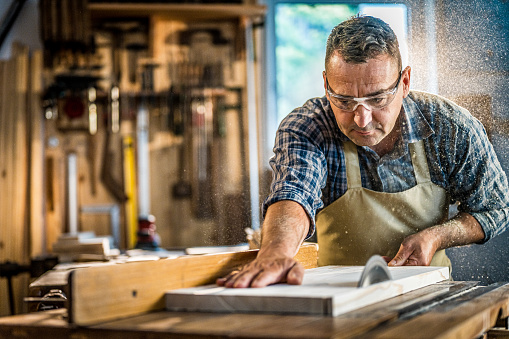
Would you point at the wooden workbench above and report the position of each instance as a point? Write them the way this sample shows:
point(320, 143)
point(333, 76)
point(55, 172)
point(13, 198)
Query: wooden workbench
point(109, 309)
point(442, 310)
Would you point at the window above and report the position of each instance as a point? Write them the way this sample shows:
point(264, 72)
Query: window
point(301, 31)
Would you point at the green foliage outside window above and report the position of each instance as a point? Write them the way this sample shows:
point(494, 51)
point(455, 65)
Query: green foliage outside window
point(301, 35)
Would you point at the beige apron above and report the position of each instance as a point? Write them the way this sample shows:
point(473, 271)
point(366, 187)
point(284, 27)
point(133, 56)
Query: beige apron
point(363, 222)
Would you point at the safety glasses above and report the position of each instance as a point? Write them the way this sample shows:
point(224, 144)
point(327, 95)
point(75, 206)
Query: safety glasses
point(375, 102)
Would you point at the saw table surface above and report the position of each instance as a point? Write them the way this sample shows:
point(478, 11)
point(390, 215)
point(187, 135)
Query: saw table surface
point(442, 310)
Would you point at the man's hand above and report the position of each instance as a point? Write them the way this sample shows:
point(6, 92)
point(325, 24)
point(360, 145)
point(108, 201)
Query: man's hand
point(265, 271)
point(285, 226)
point(418, 249)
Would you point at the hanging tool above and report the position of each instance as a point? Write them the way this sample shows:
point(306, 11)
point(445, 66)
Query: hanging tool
point(65, 30)
point(107, 177)
point(147, 236)
point(130, 190)
point(182, 189)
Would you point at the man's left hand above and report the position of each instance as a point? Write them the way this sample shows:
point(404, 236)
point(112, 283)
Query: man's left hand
point(418, 249)
point(415, 250)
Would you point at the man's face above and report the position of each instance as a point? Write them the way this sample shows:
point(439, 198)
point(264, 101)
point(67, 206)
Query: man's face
point(366, 126)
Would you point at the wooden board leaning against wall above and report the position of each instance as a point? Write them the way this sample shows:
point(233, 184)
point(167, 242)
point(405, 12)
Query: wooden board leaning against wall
point(21, 179)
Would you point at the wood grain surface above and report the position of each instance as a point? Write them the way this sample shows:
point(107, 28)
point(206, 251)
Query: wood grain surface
point(104, 293)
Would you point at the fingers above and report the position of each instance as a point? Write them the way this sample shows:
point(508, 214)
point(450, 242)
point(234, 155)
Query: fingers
point(263, 273)
point(401, 257)
point(222, 281)
point(415, 250)
point(242, 278)
point(295, 274)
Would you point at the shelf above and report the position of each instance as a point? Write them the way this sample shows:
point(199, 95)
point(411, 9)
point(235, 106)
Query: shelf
point(176, 11)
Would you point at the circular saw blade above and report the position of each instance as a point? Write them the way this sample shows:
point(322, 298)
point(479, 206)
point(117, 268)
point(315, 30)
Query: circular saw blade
point(374, 272)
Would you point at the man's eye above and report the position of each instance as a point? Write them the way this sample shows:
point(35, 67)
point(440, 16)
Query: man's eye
point(377, 101)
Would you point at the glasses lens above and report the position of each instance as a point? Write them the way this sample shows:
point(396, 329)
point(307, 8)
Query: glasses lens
point(377, 102)
point(346, 105)
point(380, 101)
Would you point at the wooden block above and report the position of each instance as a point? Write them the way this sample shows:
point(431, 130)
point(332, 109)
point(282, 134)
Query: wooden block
point(329, 290)
point(98, 294)
point(90, 246)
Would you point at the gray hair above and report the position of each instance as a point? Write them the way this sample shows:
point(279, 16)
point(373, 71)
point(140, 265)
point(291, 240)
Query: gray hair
point(361, 38)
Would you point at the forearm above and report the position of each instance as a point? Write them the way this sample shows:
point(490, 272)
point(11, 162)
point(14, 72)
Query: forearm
point(284, 229)
point(419, 248)
point(462, 230)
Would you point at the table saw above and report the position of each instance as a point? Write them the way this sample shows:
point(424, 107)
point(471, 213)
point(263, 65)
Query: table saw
point(128, 301)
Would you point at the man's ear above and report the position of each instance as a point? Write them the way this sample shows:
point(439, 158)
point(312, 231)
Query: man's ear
point(405, 80)
point(324, 75)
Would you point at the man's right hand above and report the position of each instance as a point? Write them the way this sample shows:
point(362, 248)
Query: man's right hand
point(265, 271)
point(285, 226)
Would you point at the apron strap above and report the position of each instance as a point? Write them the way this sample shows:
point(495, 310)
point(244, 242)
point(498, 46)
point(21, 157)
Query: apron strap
point(419, 162)
point(353, 169)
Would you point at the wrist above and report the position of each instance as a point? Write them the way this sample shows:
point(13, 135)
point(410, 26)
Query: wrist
point(435, 237)
point(278, 250)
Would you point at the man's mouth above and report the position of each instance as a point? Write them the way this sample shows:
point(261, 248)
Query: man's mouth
point(363, 132)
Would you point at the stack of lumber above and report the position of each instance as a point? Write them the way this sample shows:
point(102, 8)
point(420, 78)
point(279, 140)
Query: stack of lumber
point(82, 246)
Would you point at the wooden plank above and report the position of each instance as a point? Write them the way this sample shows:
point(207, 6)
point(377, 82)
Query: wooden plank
point(8, 164)
point(36, 159)
point(14, 166)
point(98, 294)
point(4, 309)
point(469, 319)
point(328, 290)
point(19, 226)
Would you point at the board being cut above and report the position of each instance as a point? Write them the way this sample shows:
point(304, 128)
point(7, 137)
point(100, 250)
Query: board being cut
point(327, 290)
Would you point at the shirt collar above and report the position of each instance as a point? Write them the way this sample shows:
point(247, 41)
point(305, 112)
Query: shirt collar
point(414, 126)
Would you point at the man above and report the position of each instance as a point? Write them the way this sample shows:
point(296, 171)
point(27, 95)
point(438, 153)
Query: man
point(381, 163)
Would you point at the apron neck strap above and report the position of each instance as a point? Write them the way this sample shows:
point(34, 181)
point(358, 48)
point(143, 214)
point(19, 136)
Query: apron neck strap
point(353, 171)
point(419, 162)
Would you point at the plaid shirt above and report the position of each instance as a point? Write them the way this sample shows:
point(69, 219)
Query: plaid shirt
point(309, 164)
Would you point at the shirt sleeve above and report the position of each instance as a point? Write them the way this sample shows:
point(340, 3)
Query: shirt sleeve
point(478, 181)
point(298, 165)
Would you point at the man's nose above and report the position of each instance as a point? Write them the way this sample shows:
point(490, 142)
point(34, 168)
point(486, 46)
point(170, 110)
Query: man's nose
point(363, 115)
